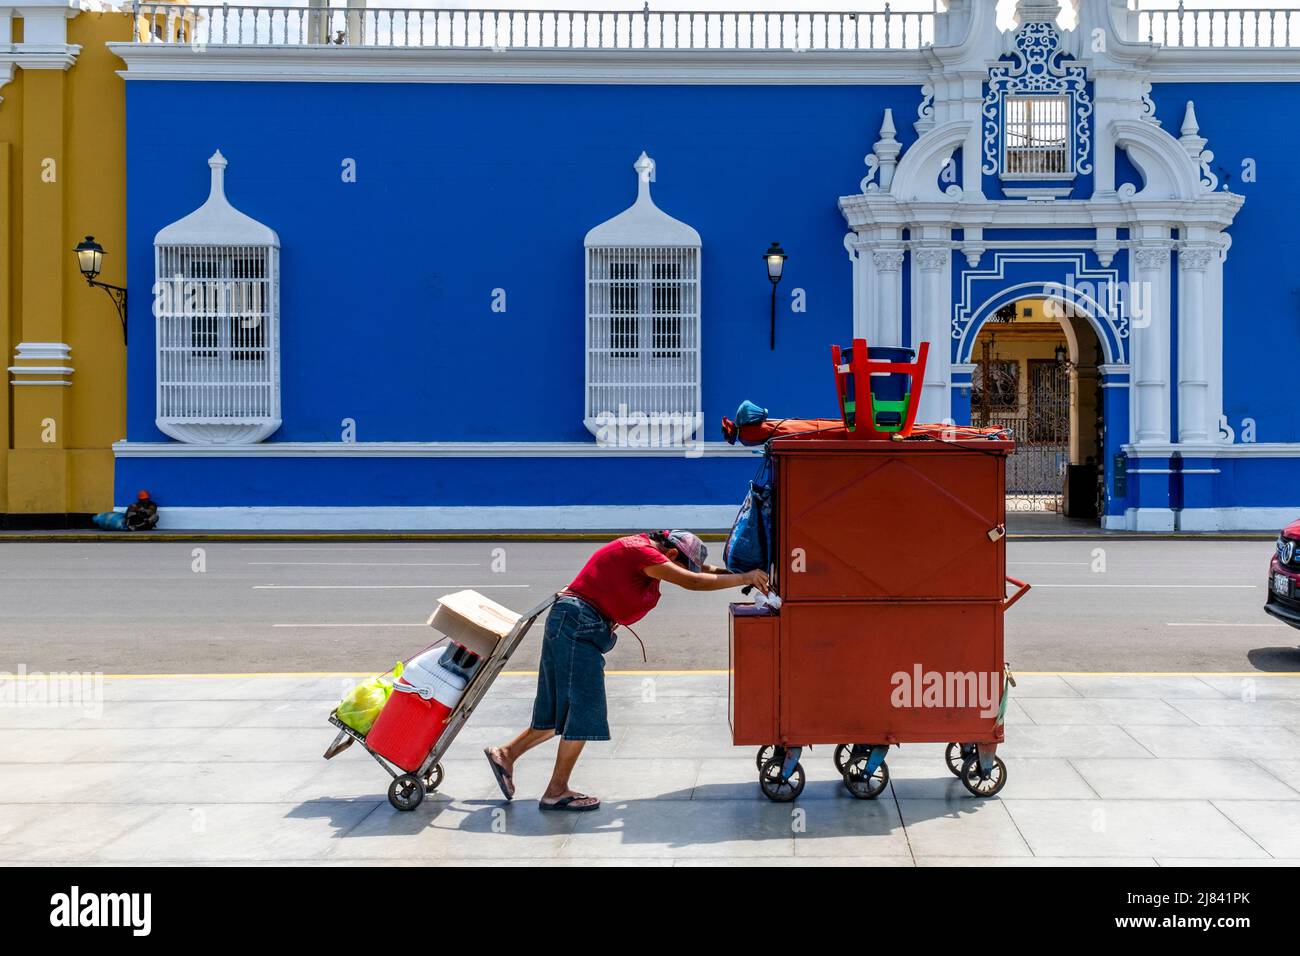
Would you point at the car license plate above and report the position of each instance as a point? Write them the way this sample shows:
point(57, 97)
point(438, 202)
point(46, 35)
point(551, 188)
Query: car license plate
point(1281, 585)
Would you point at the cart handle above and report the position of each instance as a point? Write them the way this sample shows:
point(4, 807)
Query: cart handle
point(1024, 589)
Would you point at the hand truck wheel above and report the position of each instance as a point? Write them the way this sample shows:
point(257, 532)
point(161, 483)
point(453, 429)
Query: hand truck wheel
point(956, 756)
point(406, 792)
point(434, 780)
point(768, 752)
point(981, 784)
point(861, 785)
point(776, 788)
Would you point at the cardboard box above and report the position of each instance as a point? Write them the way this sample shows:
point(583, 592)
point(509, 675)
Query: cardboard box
point(472, 620)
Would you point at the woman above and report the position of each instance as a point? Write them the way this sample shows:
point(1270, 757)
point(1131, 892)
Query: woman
point(619, 584)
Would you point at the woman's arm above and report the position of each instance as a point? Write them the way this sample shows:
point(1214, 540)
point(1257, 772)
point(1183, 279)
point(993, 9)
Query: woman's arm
point(674, 573)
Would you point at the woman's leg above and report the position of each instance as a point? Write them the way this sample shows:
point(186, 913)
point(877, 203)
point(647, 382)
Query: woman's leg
point(566, 756)
point(507, 754)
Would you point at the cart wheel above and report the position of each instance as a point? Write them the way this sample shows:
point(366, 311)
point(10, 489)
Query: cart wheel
point(843, 752)
point(956, 756)
point(862, 786)
point(776, 789)
point(983, 785)
point(434, 780)
point(769, 752)
point(406, 792)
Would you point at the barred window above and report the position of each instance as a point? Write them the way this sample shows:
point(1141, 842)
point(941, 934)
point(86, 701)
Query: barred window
point(643, 324)
point(216, 299)
point(1037, 136)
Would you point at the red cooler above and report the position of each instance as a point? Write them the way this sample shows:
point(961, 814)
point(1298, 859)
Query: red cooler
point(415, 715)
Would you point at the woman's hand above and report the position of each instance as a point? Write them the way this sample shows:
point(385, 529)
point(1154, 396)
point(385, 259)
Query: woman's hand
point(757, 579)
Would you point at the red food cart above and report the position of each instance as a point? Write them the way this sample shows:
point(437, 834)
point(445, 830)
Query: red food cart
point(890, 559)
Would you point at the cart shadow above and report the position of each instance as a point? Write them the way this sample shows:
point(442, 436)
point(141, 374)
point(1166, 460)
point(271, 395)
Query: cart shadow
point(702, 815)
point(438, 811)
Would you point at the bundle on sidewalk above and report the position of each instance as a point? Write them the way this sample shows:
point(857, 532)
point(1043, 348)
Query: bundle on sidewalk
point(408, 718)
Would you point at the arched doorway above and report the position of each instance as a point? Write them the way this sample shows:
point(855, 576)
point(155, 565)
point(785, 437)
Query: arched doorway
point(1035, 372)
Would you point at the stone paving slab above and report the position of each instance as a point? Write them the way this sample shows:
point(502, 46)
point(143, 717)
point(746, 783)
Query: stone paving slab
point(1102, 770)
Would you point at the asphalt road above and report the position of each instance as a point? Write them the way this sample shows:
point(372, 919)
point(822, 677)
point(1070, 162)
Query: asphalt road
point(119, 608)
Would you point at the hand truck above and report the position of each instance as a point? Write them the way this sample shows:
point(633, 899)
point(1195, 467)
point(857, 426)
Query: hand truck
point(408, 790)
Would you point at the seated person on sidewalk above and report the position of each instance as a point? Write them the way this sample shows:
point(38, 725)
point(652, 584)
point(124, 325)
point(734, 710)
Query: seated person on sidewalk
point(619, 584)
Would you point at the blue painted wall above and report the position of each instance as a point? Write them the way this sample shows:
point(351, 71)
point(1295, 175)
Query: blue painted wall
point(1261, 292)
point(387, 283)
point(461, 189)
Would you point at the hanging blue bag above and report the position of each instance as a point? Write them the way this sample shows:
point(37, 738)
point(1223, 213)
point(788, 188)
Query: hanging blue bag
point(749, 546)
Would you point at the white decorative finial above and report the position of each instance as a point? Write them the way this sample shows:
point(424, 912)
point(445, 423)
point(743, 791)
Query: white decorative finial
point(1194, 144)
point(887, 129)
point(645, 175)
point(645, 166)
point(883, 158)
point(217, 163)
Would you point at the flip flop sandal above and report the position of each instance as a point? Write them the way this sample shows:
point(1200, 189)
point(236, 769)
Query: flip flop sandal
point(566, 804)
point(504, 780)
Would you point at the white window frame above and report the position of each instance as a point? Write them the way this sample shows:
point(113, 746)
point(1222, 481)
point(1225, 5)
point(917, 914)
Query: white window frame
point(642, 316)
point(217, 324)
point(1058, 107)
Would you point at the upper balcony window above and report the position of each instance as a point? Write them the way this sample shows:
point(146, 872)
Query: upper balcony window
point(1037, 137)
point(1037, 116)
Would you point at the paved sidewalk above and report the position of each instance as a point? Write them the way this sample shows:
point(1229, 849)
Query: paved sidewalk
point(1102, 770)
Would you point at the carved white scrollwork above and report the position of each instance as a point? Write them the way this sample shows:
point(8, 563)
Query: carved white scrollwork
point(925, 111)
point(1148, 104)
point(1038, 67)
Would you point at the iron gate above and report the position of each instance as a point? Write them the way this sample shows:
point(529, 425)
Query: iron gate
point(1040, 424)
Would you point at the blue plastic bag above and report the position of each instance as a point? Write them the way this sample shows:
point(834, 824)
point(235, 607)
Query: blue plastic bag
point(749, 546)
point(111, 521)
point(750, 414)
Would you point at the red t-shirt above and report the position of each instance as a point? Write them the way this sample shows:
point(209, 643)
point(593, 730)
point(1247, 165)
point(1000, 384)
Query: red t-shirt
point(613, 583)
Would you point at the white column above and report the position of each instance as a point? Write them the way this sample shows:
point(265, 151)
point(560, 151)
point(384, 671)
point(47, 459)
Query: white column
point(885, 325)
point(1149, 340)
point(864, 282)
point(1214, 333)
point(1194, 421)
point(931, 313)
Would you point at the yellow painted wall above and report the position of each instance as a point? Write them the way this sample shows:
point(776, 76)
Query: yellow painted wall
point(63, 175)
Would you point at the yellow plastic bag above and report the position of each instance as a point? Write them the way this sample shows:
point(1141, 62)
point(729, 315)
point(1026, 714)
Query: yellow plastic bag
point(360, 707)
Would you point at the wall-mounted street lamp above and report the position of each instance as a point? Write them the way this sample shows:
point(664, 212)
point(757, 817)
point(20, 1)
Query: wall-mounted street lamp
point(775, 258)
point(90, 257)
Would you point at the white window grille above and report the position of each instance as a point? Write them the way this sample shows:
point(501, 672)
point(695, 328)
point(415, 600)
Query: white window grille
point(643, 326)
point(217, 302)
point(1037, 136)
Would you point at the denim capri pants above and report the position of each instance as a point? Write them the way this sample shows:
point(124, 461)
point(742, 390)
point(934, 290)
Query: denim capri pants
point(571, 679)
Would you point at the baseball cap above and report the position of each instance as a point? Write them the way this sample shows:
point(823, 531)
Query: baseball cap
point(690, 547)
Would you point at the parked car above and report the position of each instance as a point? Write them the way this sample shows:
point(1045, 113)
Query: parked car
point(1284, 577)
